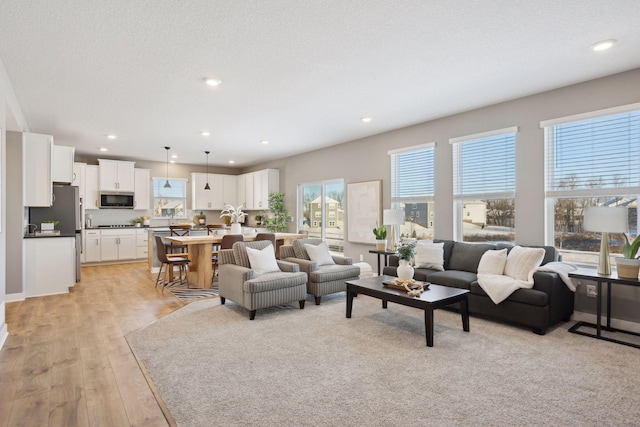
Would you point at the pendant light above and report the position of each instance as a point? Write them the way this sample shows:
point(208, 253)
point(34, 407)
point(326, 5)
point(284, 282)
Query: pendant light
point(206, 186)
point(166, 184)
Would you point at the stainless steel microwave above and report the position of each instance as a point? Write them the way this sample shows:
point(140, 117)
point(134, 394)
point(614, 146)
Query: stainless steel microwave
point(116, 200)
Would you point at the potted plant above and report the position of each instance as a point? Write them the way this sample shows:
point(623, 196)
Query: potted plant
point(380, 231)
point(137, 222)
point(235, 215)
point(628, 265)
point(278, 214)
point(202, 218)
point(405, 254)
point(258, 220)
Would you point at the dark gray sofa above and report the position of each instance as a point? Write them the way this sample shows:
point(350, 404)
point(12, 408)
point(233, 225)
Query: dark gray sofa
point(547, 303)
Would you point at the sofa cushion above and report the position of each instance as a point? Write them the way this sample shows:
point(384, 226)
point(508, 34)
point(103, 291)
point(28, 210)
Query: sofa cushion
point(453, 278)
point(273, 281)
point(331, 272)
point(418, 273)
point(319, 253)
point(299, 250)
point(550, 253)
point(521, 262)
point(262, 260)
point(429, 255)
point(493, 262)
point(448, 247)
point(466, 256)
point(524, 296)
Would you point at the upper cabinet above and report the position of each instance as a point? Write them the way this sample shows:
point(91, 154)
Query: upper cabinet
point(78, 177)
point(142, 195)
point(116, 175)
point(222, 191)
point(253, 188)
point(62, 164)
point(37, 181)
point(91, 189)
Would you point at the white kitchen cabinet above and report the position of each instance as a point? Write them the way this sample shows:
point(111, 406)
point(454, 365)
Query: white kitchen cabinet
point(142, 195)
point(51, 268)
point(229, 188)
point(265, 182)
point(116, 175)
point(91, 191)
point(244, 190)
point(142, 244)
point(117, 244)
point(200, 198)
point(62, 164)
point(91, 246)
point(220, 193)
point(78, 176)
point(37, 189)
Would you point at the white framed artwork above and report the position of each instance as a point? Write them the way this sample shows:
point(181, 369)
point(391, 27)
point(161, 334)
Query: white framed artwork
point(363, 210)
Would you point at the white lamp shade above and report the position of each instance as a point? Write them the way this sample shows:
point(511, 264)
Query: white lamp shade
point(606, 220)
point(393, 217)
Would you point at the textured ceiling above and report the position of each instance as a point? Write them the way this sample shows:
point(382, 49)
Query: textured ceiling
point(300, 74)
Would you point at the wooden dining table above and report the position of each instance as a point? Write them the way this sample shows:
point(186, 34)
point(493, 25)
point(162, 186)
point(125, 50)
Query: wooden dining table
point(200, 251)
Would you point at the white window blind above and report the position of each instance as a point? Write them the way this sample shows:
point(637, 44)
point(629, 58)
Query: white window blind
point(484, 166)
point(412, 174)
point(597, 156)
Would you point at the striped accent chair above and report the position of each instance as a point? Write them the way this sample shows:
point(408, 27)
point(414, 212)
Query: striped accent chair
point(241, 285)
point(323, 279)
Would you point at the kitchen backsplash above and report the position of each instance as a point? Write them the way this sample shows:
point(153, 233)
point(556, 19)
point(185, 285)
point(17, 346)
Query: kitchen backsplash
point(126, 216)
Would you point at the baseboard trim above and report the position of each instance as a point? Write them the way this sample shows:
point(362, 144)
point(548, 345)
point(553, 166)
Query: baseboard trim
point(14, 297)
point(624, 325)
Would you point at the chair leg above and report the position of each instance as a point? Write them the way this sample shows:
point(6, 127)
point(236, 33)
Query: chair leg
point(318, 300)
point(252, 314)
point(301, 304)
point(222, 300)
point(159, 272)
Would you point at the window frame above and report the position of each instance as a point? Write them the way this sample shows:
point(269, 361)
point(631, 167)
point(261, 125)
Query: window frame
point(161, 180)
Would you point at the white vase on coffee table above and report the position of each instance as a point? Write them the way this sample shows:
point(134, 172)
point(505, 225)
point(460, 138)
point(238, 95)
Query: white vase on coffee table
point(405, 271)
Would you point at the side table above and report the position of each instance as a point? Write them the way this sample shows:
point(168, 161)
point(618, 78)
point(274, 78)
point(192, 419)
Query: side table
point(386, 256)
point(592, 275)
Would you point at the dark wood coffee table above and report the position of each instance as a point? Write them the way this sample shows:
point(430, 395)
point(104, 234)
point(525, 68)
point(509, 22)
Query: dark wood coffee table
point(434, 297)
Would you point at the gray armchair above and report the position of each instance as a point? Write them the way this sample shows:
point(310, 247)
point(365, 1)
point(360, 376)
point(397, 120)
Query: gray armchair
point(322, 279)
point(241, 285)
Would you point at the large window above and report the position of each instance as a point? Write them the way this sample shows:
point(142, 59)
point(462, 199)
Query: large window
point(484, 186)
point(412, 189)
point(590, 160)
point(321, 212)
point(170, 203)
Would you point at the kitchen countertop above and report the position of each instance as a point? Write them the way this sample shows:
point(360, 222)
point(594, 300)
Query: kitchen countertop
point(48, 236)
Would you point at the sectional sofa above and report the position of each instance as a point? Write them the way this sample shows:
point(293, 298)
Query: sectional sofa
point(549, 301)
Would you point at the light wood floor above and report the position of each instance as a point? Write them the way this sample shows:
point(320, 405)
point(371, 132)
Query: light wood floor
point(66, 361)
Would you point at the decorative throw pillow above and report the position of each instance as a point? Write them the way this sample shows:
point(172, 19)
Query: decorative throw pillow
point(493, 262)
point(521, 262)
point(429, 255)
point(262, 260)
point(319, 253)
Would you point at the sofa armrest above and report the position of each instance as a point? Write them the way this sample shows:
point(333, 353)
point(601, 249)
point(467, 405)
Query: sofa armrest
point(286, 251)
point(561, 298)
point(305, 265)
point(394, 261)
point(288, 267)
point(341, 260)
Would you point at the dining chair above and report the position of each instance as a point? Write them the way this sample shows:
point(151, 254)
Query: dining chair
point(267, 236)
point(180, 261)
point(227, 243)
point(179, 230)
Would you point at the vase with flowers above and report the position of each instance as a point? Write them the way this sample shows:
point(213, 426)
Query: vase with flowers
point(235, 215)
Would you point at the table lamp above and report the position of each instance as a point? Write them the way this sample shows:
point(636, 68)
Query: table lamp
point(393, 218)
point(605, 220)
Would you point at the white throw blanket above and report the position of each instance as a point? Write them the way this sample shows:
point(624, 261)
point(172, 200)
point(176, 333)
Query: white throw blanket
point(499, 286)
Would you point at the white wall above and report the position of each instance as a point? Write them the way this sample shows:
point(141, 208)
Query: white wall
point(11, 118)
point(366, 159)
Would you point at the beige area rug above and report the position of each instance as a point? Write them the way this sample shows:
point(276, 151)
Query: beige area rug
point(213, 366)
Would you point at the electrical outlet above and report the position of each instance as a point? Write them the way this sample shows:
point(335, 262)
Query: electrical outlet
point(592, 291)
point(361, 257)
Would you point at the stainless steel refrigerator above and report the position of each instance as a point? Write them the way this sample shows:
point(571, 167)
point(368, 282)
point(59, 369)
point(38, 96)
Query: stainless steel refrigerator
point(66, 210)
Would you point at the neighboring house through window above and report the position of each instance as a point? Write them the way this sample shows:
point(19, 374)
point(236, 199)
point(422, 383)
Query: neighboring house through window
point(170, 203)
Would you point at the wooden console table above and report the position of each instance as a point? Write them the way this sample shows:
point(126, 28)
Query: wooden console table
point(592, 275)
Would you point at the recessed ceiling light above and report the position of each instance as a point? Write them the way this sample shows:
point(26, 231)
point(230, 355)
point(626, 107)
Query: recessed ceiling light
point(231, 162)
point(603, 45)
point(112, 136)
point(174, 156)
point(366, 119)
point(205, 133)
point(212, 82)
point(104, 149)
point(172, 161)
point(264, 142)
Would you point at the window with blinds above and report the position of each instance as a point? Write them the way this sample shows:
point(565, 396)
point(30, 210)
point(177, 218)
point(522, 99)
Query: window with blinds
point(591, 159)
point(484, 186)
point(412, 189)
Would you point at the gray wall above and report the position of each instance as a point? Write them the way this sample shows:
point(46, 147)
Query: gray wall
point(15, 213)
point(367, 159)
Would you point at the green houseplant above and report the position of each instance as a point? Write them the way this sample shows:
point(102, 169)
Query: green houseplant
point(137, 222)
point(380, 231)
point(278, 216)
point(202, 218)
point(628, 265)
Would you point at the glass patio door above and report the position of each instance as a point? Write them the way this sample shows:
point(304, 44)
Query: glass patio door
point(321, 212)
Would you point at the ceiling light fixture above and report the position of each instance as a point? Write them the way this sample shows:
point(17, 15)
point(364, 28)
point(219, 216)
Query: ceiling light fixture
point(166, 184)
point(104, 149)
point(212, 82)
point(174, 156)
point(603, 45)
point(206, 186)
point(264, 142)
point(112, 136)
point(231, 162)
point(205, 133)
point(366, 119)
